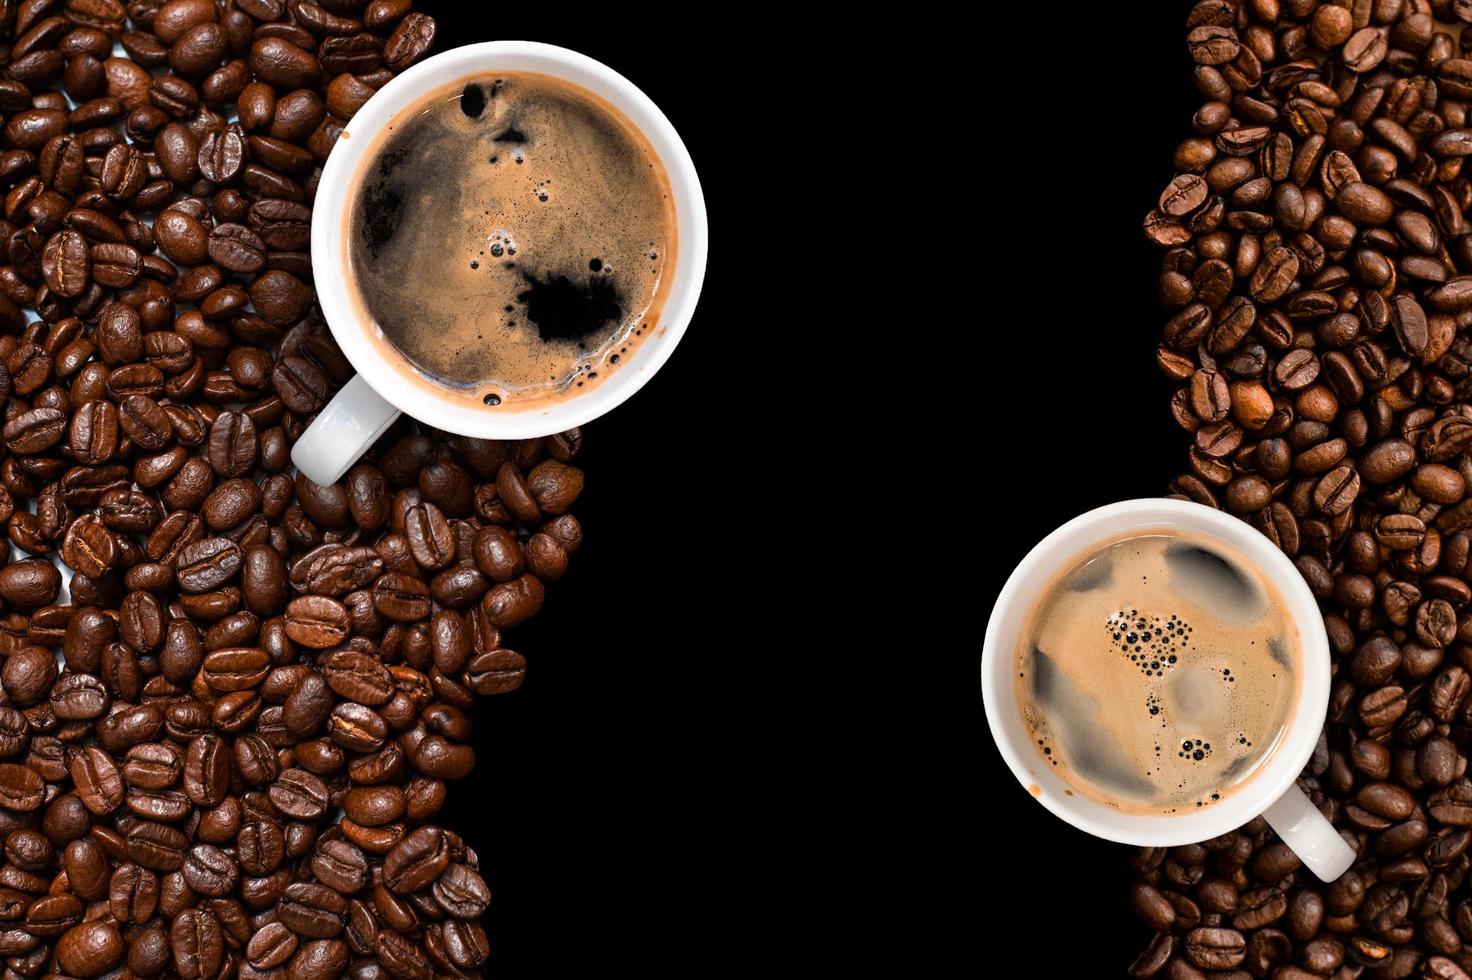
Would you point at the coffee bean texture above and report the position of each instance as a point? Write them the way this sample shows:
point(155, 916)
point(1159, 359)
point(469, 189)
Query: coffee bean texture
point(1317, 264)
point(225, 738)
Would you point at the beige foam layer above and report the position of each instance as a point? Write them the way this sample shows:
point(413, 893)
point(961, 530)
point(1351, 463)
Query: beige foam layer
point(1088, 704)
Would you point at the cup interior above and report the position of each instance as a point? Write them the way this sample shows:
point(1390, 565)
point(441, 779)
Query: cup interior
point(335, 195)
point(1056, 553)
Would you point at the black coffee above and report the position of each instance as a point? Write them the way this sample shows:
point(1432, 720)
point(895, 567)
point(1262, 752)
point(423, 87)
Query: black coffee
point(512, 238)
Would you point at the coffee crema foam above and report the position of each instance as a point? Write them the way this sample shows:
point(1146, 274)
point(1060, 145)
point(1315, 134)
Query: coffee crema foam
point(512, 238)
point(1159, 672)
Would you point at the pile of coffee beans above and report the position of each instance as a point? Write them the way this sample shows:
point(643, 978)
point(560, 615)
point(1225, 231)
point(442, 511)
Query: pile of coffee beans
point(1318, 259)
point(223, 745)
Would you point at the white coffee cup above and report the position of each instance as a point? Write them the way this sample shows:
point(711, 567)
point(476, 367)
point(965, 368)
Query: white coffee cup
point(1272, 792)
point(382, 388)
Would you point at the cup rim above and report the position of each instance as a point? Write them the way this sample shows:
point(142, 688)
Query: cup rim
point(1071, 541)
point(457, 415)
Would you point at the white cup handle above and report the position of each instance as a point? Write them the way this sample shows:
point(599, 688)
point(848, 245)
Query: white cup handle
point(1304, 829)
point(342, 432)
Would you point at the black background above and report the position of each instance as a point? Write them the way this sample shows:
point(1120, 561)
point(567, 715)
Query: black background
point(603, 786)
point(752, 722)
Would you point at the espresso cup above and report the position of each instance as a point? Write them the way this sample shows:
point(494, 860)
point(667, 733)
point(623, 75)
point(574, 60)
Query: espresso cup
point(1272, 792)
point(384, 386)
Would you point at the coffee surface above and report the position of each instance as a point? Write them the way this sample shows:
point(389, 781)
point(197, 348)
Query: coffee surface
point(512, 237)
point(1158, 673)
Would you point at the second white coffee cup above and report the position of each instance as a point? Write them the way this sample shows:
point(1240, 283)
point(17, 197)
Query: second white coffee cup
point(366, 406)
point(1273, 793)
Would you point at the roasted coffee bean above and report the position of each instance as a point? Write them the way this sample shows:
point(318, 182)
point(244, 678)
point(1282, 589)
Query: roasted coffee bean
point(360, 729)
point(28, 674)
point(301, 384)
point(90, 949)
point(129, 727)
point(326, 506)
point(29, 584)
point(148, 425)
point(271, 946)
point(299, 794)
point(316, 621)
point(280, 297)
point(210, 871)
point(133, 894)
point(233, 446)
point(547, 559)
point(1387, 461)
point(439, 758)
point(99, 783)
point(35, 431)
point(263, 580)
point(307, 706)
point(197, 943)
point(284, 65)
point(312, 910)
point(207, 564)
point(416, 861)
point(341, 866)
point(66, 263)
point(93, 437)
point(21, 789)
point(177, 152)
point(409, 42)
point(358, 677)
point(397, 596)
point(496, 671)
point(429, 536)
point(236, 248)
point(513, 602)
point(336, 570)
point(554, 486)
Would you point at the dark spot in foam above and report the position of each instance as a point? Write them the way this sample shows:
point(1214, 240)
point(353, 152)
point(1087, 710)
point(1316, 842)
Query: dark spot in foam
point(473, 101)
point(382, 208)
point(1211, 580)
point(1093, 574)
point(1238, 767)
point(564, 310)
point(511, 135)
point(382, 203)
point(391, 160)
